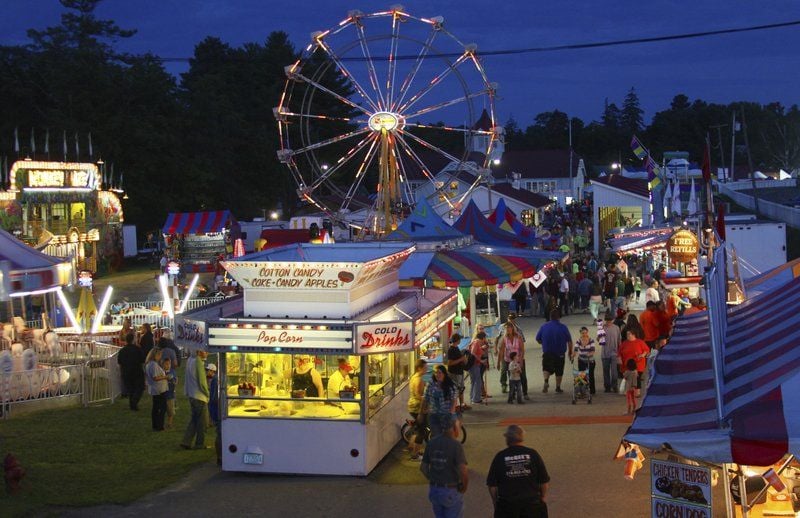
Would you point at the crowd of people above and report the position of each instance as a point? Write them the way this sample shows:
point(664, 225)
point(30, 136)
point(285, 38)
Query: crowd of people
point(151, 364)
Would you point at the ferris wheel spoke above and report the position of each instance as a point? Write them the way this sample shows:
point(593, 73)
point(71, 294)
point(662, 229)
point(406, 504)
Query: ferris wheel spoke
point(330, 141)
point(445, 104)
point(373, 75)
point(392, 58)
point(353, 151)
point(318, 117)
point(327, 90)
point(360, 174)
point(404, 180)
point(346, 73)
point(435, 81)
point(424, 168)
point(447, 128)
point(404, 88)
point(432, 147)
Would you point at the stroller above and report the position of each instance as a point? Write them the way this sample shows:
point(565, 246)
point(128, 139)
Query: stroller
point(580, 383)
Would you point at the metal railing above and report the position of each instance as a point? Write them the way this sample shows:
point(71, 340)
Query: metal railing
point(155, 317)
point(769, 209)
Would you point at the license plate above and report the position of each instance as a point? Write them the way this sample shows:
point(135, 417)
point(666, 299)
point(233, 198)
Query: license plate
point(253, 458)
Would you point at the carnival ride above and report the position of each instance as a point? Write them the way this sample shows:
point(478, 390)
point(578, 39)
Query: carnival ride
point(347, 85)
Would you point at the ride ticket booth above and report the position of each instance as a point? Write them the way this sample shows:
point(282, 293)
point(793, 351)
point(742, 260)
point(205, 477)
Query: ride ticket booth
point(315, 363)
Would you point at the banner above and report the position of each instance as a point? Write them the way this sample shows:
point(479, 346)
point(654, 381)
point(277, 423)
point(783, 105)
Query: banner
point(653, 171)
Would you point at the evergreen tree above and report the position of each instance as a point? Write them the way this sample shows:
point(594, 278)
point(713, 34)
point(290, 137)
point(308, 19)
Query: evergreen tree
point(631, 120)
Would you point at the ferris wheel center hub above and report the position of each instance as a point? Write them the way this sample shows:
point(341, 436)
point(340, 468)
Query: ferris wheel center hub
point(386, 121)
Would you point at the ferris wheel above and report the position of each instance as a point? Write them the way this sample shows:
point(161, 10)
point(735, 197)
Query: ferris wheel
point(360, 119)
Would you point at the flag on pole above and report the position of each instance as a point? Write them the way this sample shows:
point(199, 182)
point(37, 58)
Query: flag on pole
point(16, 140)
point(33, 141)
point(638, 148)
point(91, 151)
point(539, 277)
point(47, 142)
point(77, 148)
point(65, 145)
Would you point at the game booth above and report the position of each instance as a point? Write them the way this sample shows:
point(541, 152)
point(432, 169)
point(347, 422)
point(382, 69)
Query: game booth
point(199, 239)
point(316, 355)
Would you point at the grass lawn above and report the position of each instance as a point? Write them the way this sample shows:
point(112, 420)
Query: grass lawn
point(88, 456)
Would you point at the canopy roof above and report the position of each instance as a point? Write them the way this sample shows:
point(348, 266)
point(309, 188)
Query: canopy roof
point(538, 258)
point(199, 222)
point(30, 269)
point(772, 279)
point(760, 386)
point(626, 244)
point(424, 223)
point(453, 268)
point(473, 222)
point(504, 218)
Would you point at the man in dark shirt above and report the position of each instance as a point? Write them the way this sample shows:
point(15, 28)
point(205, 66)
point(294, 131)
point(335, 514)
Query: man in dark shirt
point(556, 341)
point(518, 479)
point(456, 361)
point(131, 361)
point(445, 466)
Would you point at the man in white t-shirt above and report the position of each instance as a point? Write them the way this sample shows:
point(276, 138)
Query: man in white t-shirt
point(651, 293)
point(339, 379)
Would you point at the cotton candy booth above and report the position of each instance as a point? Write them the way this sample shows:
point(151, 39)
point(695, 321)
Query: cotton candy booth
point(314, 367)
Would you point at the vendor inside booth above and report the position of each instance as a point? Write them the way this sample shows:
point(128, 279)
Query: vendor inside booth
point(314, 366)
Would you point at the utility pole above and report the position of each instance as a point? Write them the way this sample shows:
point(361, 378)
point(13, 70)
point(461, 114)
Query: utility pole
point(571, 181)
point(719, 139)
point(733, 144)
point(750, 161)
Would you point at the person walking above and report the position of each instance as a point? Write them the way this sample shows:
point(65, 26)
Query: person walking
point(563, 295)
point(157, 386)
point(609, 352)
point(556, 341)
point(509, 342)
point(634, 349)
point(584, 350)
point(514, 371)
point(518, 480)
point(456, 364)
point(445, 466)
point(196, 389)
point(439, 401)
point(169, 395)
point(131, 363)
point(416, 390)
point(476, 349)
point(146, 339)
point(651, 293)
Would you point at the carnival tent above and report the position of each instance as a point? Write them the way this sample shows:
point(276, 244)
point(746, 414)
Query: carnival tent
point(759, 384)
point(423, 224)
point(772, 279)
point(473, 222)
point(31, 270)
point(504, 218)
point(539, 258)
point(200, 222)
point(453, 268)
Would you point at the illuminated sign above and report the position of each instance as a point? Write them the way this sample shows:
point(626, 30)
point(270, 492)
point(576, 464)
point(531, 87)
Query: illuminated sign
point(85, 279)
point(683, 246)
point(44, 178)
point(173, 267)
point(384, 337)
point(280, 336)
point(680, 489)
point(190, 333)
point(80, 178)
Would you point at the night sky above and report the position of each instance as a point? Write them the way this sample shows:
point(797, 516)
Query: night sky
point(756, 66)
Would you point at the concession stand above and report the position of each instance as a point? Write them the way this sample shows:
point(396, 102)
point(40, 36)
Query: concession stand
point(315, 361)
point(198, 240)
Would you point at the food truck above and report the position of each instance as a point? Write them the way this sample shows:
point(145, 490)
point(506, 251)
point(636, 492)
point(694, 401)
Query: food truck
point(316, 358)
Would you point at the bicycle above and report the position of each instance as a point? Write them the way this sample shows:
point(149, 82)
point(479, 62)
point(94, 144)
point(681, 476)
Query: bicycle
point(409, 427)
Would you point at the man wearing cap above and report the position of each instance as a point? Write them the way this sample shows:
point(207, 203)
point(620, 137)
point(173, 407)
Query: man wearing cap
point(518, 479)
point(339, 379)
point(445, 466)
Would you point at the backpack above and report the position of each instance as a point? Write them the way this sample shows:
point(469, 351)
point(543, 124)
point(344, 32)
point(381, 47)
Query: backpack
point(470, 360)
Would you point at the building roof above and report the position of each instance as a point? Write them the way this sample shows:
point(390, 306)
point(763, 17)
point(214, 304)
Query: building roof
point(539, 163)
point(634, 186)
point(523, 196)
point(434, 162)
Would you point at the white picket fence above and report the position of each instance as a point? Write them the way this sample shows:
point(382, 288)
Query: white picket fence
point(159, 318)
point(83, 374)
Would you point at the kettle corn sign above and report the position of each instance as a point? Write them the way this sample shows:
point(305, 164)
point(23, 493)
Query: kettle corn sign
point(683, 246)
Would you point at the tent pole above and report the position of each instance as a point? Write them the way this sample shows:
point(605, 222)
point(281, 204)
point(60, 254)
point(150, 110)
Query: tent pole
point(473, 311)
point(743, 492)
point(496, 299)
point(726, 485)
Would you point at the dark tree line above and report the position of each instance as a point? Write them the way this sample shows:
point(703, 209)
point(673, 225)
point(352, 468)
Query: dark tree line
point(208, 140)
point(773, 131)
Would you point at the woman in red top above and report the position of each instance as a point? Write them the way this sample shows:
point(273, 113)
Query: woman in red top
point(635, 349)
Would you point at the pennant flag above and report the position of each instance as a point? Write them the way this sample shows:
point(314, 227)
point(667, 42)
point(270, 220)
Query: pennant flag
point(91, 151)
point(721, 220)
point(33, 141)
point(65, 145)
point(47, 142)
point(539, 277)
point(638, 148)
point(16, 140)
point(77, 148)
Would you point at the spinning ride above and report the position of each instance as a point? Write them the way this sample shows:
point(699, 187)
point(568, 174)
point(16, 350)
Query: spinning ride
point(351, 118)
